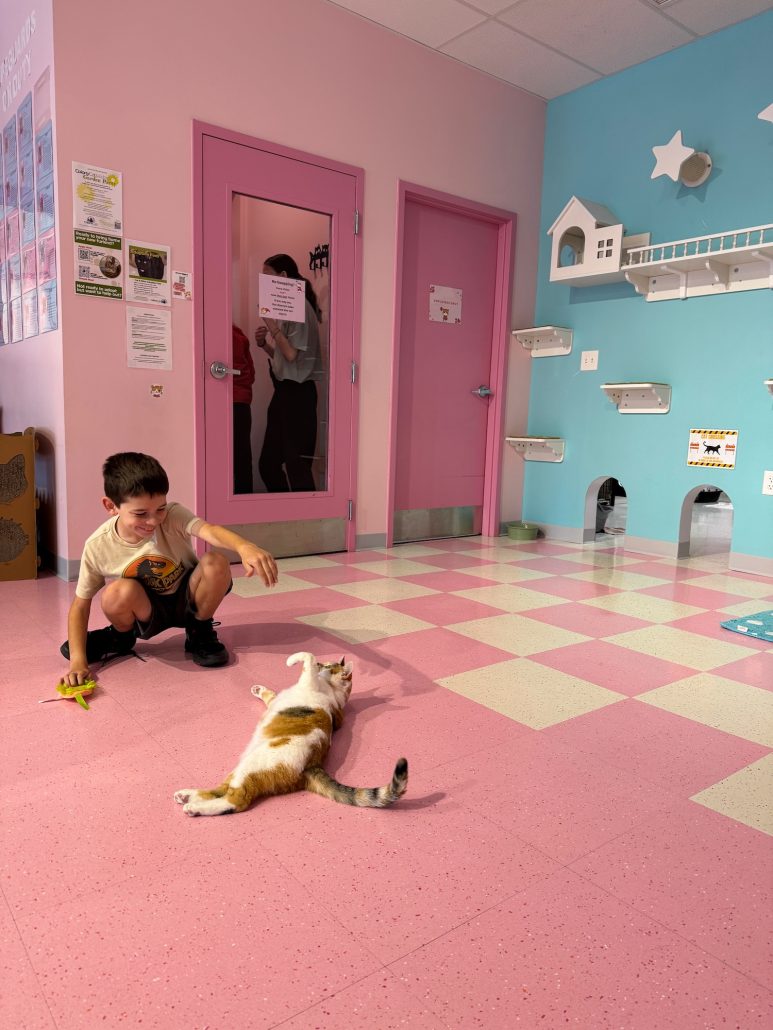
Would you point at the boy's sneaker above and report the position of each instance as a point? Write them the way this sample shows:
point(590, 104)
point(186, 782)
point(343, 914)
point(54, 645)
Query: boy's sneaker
point(202, 644)
point(104, 643)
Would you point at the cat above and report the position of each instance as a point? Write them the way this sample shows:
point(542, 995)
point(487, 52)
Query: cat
point(290, 743)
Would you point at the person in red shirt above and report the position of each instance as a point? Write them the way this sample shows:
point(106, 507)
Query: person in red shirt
point(242, 412)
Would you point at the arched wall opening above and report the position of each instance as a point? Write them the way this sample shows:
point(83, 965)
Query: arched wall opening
point(705, 522)
point(606, 509)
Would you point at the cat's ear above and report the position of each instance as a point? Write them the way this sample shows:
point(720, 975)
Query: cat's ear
point(348, 670)
point(343, 661)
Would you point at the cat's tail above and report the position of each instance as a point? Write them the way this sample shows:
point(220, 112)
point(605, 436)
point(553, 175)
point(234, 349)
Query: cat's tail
point(308, 659)
point(318, 782)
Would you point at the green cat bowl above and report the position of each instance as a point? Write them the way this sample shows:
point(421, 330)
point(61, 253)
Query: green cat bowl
point(522, 530)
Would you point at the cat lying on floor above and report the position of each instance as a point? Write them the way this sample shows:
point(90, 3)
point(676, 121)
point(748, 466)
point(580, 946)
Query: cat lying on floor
point(289, 745)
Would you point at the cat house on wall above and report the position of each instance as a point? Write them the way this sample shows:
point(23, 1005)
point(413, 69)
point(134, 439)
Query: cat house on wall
point(588, 244)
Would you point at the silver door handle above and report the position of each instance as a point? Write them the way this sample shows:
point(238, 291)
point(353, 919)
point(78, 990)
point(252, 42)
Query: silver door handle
point(219, 371)
point(483, 391)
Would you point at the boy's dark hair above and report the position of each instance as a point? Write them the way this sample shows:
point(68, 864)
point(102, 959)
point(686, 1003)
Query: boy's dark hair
point(130, 474)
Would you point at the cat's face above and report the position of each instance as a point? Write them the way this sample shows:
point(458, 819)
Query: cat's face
point(339, 676)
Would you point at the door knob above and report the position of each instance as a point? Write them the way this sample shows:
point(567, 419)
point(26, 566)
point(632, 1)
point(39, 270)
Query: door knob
point(482, 391)
point(219, 371)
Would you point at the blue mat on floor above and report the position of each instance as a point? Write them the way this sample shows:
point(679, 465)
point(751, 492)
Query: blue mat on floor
point(759, 625)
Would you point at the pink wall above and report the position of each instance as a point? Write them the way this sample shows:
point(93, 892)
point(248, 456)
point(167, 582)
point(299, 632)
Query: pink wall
point(306, 74)
point(31, 370)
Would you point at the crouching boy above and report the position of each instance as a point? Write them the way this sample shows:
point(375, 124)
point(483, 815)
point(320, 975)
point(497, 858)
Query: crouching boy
point(156, 579)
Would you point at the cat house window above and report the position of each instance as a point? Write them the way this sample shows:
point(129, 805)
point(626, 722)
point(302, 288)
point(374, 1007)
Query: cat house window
point(571, 247)
point(604, 248)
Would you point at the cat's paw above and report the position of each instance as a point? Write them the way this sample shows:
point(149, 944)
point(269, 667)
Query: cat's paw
point(191, 809)
point(265, 695)
point(181, 796)
point(255, 691)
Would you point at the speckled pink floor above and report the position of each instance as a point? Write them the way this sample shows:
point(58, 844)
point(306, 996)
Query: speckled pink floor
point(586, 839)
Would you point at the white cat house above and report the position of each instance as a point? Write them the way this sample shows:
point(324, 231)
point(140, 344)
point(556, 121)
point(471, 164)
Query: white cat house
point(588, 244)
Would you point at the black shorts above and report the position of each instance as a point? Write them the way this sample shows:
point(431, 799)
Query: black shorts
point(166, 610)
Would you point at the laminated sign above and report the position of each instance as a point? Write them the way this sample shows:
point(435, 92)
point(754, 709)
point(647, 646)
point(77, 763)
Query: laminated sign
point(715, 448)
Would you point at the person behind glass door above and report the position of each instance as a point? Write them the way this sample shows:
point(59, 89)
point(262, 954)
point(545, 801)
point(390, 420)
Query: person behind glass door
point(291, 420)
point(242, 412)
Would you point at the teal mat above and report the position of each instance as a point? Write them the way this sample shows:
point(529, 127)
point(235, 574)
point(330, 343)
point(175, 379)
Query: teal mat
point(759, 625)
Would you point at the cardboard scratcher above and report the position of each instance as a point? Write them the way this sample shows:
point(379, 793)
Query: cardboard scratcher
point(759, 625)
point(18, 533)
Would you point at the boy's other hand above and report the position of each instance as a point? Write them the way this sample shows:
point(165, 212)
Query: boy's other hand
point(77, 677)
point(256, 560)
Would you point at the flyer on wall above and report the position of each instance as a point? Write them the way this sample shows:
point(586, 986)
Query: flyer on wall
point(97, 198)
point(148, 338)
point(148, 273)
point(98, 265)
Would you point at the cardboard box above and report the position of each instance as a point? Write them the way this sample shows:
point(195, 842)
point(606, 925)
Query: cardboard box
point(18, 505)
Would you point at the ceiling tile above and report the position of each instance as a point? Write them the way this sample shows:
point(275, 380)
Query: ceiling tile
point(606, 35)
point(432, 22)
point(704, 16)
point(494, 48)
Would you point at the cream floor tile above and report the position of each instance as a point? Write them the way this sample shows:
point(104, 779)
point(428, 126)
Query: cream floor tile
point(378, 591)
point(396, 567)
point(735, 611)
point(305, 561)
point(744, 796)
point(516, 634)
point(738, 584)
point(510, 598)
point(371, 622)
point(600, 558)
point(642, 606)
point(619, 579)
point(529, 693)
point(725, 704)
point(408, 551)
point(505, 573)
point(494, 552)
point(244, 587)
point(677, 645)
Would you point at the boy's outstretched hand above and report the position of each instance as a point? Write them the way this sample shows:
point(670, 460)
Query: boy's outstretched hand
point(256, 560)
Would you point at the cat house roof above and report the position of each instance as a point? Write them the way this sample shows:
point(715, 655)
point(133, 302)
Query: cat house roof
point(580, 212)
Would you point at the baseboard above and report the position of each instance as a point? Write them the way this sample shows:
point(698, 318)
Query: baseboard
point(367, 541)
point(65, 568)
point(659, 548)
point(750, 563)
point(567, 534)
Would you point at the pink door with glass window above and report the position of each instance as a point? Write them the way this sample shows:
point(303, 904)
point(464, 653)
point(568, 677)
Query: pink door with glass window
point(258, 200)
point(450, 367)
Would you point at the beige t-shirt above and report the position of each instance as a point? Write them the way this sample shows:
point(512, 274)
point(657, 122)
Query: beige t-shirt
point(159, 562)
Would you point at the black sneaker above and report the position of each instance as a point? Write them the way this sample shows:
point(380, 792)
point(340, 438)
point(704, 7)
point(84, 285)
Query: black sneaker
point(104, 643)
point(201, 642)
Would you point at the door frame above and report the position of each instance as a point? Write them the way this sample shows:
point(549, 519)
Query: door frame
point(200, 130)
point(505, 222)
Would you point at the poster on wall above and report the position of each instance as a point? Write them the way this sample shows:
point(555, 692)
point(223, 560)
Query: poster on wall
point(48, 313)
point(281, 298)
point(98, 265)
point(97, 198)
point(715, 448)
point(148, 273)
point(148, 338)
point(445, 304)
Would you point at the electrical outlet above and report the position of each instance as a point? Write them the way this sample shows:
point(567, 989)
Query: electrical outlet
point(589, 360)
point(767, 483)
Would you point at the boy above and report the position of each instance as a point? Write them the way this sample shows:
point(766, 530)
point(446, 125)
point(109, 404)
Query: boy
point(159, 580)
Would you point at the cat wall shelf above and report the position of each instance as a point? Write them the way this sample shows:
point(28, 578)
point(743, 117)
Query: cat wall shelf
point(538, 448)
point(589, 249)
point(769, 384)
point(639, 398)
point(545, 341)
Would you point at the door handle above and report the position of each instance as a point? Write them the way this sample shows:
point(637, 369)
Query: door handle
point(219, 371)
point(482, 391)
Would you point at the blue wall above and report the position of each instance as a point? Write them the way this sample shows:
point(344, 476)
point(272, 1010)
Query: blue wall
point(714, 351)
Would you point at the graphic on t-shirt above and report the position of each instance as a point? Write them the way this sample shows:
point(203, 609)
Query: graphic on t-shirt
point(155, 571)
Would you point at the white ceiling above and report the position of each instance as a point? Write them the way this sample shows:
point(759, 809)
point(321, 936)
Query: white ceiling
point(549, 47)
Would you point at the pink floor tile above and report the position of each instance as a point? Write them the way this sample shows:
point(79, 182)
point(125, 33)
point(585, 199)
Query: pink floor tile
point(614, 667)
point(181, 948)
point(694, 594)
point(358, 557)
point(707, 624)
point(564, 953)
point(584, 618)
point(571, 589)
point(443, 609)
point(435, 653)
point(706, 877)
point(22, 1005)
point(441, 883)
point(543, 547)
point(454, 561)
point(665, 569)
point(332, 575)
point(678, 754)
point(558, 567)
point(756, 670)
point(449, 581)
point(562, 802)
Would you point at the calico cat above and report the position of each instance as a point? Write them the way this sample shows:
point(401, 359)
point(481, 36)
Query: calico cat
point(289, 744)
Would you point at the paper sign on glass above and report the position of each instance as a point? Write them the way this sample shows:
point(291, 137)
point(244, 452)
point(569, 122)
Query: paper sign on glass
point(281, 298)
point(445, 304)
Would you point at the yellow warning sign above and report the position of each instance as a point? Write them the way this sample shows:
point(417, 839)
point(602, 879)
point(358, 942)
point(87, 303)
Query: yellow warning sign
point(715, 448)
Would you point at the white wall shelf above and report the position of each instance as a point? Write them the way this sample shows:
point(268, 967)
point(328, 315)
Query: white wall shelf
point(546, 341)
point(639, 398)
point(769, 384)
point(538, 448)
point(704, 265)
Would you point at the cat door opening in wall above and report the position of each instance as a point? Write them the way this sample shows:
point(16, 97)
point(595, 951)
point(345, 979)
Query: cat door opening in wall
point(611, 508)
point(571, 247)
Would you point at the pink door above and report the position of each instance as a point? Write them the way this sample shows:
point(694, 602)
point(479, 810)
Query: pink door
point(257, 200)
point(449, 371)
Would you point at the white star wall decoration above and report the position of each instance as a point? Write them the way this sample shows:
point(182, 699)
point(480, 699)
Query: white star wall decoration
point(670, 158)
